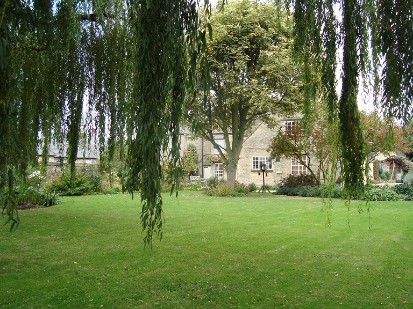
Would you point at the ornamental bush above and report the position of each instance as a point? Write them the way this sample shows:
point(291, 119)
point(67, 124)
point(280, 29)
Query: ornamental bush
point(221, 189)
point(331, 190)
point(405, 190)
point(252, 187)
point(380, 194)
point(241, 188)
point(298, 180)
point(224, 189)
point(28, 197)
point(78, 185)
point(306, 191)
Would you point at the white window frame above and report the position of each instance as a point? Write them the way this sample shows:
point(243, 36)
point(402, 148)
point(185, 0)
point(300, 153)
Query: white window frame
point(297, 168)
point(258, 160)
point(219, 170)
point(289, 126)
point(221, 144)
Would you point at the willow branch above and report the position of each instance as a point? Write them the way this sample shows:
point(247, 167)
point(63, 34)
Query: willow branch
point(3, 13)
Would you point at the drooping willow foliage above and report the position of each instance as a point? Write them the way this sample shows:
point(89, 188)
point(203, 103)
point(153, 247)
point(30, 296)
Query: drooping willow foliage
point(373, 39)
point(116, 70)
point(120, 70)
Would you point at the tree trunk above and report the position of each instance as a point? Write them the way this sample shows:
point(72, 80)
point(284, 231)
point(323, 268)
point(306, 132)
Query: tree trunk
point(231, 164)
point(232, 171)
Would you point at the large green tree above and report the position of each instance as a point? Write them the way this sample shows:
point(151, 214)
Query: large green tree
point(252, 76)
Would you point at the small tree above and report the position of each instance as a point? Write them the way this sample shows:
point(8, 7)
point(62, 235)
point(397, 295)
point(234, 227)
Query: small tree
point(315, 139)
point(383, 136)
point(190, 160)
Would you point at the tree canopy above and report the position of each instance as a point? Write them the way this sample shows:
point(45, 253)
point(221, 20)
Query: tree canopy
point(252, 76)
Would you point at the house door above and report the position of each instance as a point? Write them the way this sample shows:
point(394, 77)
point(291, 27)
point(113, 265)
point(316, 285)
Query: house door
point(207, 171)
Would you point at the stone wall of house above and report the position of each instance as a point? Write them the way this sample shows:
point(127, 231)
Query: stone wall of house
point(55, 167)
point(256, 145)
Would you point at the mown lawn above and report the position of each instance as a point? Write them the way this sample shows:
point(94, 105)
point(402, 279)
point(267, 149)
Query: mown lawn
point(253, 252)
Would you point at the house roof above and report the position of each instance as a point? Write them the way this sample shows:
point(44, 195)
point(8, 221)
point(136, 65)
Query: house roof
point(60, 151)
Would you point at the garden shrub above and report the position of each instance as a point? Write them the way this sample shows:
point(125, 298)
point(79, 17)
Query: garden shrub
point(298, 180)
point(331, 190)
point(224, 189)
point(65, 185)
point(221, 189)
point(241, 188)
point(406, 190)
point(308, 191)
point(28, 197)
point(35, 179)
point(252, 187)
point(111, 190)
point(287, 191)
point(380, 194)
point(50, 199)
point(212, 182)
point(267, 187)
point(95, 183)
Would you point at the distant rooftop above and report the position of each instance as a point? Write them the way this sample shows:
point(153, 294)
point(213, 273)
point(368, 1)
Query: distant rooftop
point(60, 151)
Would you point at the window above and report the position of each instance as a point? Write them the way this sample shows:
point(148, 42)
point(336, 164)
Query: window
point(257, 161)
point(219, 170)
point(221, 144)
point(290, 126)
point(297, 168)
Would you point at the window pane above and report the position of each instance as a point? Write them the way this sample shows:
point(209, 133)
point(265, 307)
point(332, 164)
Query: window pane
point(290, 126)
point(219, 170)
point(257, 161)
point(221, 144)
point(297, 168)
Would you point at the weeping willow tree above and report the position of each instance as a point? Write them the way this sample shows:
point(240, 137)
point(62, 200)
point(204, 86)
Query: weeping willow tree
point(373, 39)
point(119, 70)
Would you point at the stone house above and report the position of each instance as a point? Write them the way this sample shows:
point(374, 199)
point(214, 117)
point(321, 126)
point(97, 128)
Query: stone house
point(87, 158)
point(254, 153)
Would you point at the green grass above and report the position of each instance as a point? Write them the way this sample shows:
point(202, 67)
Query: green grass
point(262, 251)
